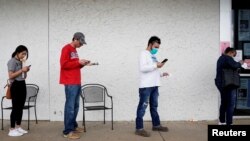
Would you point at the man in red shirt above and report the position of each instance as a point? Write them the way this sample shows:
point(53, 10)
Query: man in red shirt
point(70, 77)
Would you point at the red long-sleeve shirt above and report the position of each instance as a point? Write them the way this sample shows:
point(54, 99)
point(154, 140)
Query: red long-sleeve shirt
point(70, 66)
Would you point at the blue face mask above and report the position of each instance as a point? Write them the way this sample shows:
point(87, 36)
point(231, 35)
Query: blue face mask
point(154, 50)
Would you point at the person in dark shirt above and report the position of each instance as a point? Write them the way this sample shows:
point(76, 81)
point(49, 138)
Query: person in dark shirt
point(228, 94)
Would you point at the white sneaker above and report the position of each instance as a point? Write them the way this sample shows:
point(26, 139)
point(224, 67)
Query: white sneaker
point(221, 123)
point(14, 133)
point(19, 129)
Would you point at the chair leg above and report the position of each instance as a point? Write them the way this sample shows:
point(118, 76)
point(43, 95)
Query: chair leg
point(35, 114)
point(112, 119)
point(2, 117)
point(84, 125)
point(82, 116)
point(104, 115)
point(28, 118)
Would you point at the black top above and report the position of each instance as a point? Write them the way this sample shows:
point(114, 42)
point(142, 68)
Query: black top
point(225, 62)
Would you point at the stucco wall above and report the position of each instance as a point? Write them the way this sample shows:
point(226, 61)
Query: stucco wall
point(26, 22)
point(116, 31)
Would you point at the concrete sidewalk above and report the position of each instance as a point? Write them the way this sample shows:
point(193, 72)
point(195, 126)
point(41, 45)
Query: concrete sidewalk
point(123, 131)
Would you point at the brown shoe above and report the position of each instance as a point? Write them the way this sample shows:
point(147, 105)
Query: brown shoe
point(160, 128)
point(78, 130)
point(71, 135)
point(142, 132)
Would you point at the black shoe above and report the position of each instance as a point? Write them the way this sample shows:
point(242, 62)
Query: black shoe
point(160, 128)
point(142, 132)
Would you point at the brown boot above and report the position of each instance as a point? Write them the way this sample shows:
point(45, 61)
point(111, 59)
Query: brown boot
point(72, 135)
point(78, 130)
point(142, 132)
point(160, 128)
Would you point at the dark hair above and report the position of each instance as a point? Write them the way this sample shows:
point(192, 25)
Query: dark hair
point(154, 39)
point(229, 49)
point(20, 49)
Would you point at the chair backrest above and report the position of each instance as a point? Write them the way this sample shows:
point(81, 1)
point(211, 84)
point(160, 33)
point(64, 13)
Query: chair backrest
point(32, 92)
point(93, 93)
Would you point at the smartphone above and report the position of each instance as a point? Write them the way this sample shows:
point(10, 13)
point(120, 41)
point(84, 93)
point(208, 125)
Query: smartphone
point(29, 65)
point(165, 60)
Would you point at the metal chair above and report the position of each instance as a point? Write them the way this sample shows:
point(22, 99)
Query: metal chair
point(94, 97)
point(30, 102)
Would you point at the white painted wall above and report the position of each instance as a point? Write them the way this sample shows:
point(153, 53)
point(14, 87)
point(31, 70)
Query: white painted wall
point(226, 27)
point(26, 22)
point(116, 32)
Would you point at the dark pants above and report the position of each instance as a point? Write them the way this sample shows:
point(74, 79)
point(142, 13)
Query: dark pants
point(18, 94)
point(148, 96)
point(228, 98)
point(71, 108)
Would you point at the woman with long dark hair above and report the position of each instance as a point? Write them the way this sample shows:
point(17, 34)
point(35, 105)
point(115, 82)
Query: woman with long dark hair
point(17, 75)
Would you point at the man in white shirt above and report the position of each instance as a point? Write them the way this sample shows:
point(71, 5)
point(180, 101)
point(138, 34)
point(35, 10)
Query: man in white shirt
point(148, 90)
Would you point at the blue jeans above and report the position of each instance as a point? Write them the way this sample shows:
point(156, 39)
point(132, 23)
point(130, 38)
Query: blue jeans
point(72, 93)
point(228, 98)
point(148, 96)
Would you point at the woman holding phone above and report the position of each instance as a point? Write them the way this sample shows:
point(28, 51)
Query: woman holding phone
point(17, 76)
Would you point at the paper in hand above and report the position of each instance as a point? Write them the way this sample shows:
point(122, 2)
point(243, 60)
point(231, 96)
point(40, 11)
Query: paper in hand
point(244, 65)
